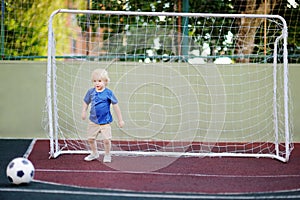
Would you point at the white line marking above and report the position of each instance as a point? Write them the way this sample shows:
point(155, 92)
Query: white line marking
point(147, 195)
point(30, 148)
point(168, 174)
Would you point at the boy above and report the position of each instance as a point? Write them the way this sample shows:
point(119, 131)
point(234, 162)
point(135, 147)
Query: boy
point(100, 99)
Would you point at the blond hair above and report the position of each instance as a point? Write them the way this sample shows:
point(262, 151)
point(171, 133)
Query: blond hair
point(100, 74)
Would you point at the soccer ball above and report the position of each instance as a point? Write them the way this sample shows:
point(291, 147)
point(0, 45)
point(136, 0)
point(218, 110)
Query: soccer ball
point(20, 171)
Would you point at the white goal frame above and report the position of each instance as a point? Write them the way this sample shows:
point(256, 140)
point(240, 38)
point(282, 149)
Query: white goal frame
point(53, 126)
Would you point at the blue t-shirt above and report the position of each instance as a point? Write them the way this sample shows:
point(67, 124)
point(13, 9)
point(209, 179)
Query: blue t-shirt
point(100, 105)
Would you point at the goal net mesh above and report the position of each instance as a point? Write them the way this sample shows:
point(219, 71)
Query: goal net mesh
point(194, 85)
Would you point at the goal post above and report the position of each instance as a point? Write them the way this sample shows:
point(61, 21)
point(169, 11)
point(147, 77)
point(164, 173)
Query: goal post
point(209, 91)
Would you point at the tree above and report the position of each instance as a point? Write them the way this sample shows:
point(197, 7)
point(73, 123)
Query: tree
point(248, 26)
point(118, 24)
point(26, 26)
point(26, 20)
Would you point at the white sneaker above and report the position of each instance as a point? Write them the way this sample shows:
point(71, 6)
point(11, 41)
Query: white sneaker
point(91, 157)
point(107, 158)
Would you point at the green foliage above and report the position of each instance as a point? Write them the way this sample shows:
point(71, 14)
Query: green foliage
point(26, 21)
point(212, 6)
point(118, 23)
point(26, 27)
point(292, 17)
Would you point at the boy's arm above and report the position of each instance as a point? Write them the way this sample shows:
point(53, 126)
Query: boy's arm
point(84, 109)
point(119, 115)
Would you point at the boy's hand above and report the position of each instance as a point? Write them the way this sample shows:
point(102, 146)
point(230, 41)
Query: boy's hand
point(83, 115)
point(121, 123)
point(83, 111)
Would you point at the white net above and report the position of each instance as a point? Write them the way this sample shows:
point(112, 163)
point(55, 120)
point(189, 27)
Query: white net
point(208, 88)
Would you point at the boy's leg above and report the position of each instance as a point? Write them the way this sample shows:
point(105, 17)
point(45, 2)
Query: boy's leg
point(107, 146)
point(106, 134)
point(93, 146)
point(93, 131)
point(94, 154)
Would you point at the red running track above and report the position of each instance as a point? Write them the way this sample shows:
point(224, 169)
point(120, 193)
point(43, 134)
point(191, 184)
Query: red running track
point(162, 174)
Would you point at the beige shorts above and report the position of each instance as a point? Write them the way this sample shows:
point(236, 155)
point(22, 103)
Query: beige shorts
point(94, 130)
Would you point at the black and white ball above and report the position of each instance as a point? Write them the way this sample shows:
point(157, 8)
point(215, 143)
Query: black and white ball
point(20, 171)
